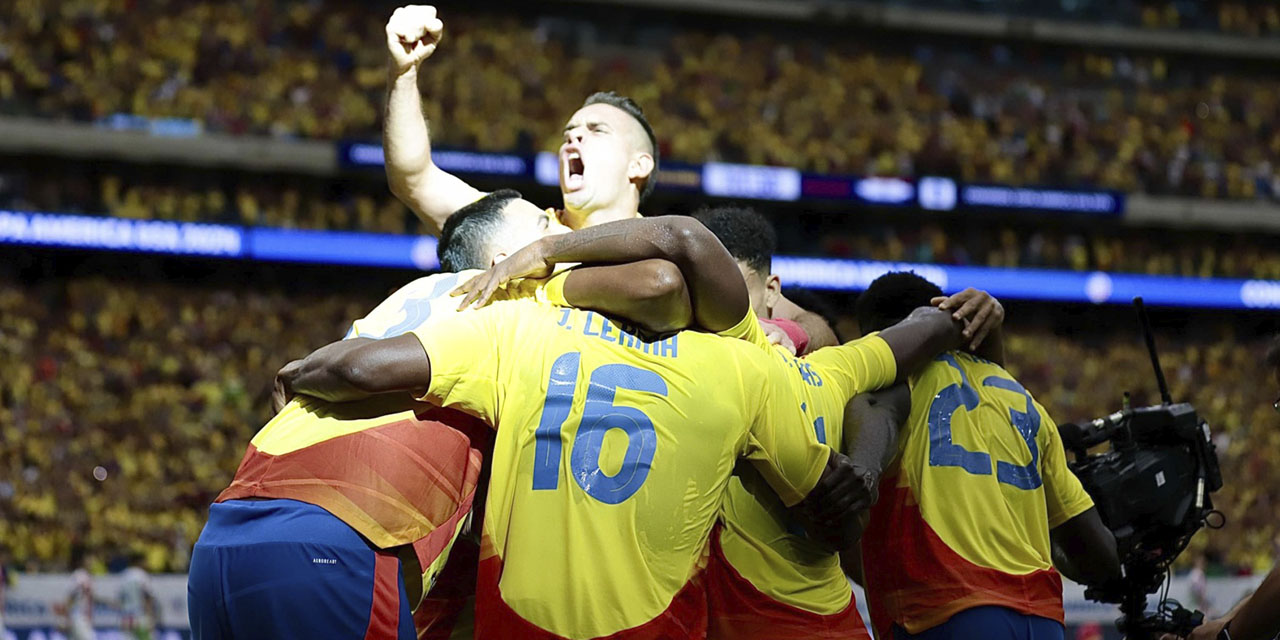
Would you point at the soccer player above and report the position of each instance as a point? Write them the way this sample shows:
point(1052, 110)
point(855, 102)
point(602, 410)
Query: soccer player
point(541, 588)
point(332, 504)
point(977, 504)
point(751, 240)
point(608, 160)
point(767, 576)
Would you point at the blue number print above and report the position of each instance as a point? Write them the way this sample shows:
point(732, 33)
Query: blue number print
point(599, 416)
point(819, 425)
point(555, 410)
point(1028, 425)
point(418, 309)
point(943, 452)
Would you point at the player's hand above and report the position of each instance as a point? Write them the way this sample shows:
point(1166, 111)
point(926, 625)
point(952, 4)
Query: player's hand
point(1207, 631)
point(529, 262)
point(979, 310)
point(777, 336)
point(282, 393)
point(412, 35)
point(843, 493)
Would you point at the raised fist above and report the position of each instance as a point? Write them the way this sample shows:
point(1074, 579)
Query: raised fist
point(412, 35)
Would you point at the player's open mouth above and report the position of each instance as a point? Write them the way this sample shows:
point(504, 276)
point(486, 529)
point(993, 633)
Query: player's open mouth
point(573, 171)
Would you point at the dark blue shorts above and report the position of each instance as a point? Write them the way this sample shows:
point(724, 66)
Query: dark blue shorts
point(988, 623)
point(282, 569)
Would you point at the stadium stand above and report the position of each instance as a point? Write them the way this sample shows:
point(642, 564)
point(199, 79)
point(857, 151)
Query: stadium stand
point(362, 203)
point(158, 372)
point(1004, 112)
point(1249, 18)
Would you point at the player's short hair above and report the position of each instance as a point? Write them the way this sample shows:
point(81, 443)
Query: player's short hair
point(747, 235)
point(1273, 353)
point(464, 240)
point(892, 297)
point(613, 99)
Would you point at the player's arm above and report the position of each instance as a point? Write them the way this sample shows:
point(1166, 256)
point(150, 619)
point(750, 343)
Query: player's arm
point(433, 194)
point(358, 368)
point(920, 337)
point(819, 332)
point(1083, 547)
point(1084, 550)
point(872, 421)
point(651, 293)
point(717, 292)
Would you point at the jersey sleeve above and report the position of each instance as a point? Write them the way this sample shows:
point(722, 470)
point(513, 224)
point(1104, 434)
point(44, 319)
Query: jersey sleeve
point(411, 306)
point(866, 364)
point(781, 445)
point(1064, 496)
point(748, 329)
point(464, 350)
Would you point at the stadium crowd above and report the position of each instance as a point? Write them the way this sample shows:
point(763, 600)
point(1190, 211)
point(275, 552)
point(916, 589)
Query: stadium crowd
point(1253, 18)
point(364, 204)
point(129, 402)
point(1008, 113)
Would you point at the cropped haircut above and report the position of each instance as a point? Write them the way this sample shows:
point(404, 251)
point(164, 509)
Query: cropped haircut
point(747, 235)
point(891, 298)
point(632, 109)
point(464, 241)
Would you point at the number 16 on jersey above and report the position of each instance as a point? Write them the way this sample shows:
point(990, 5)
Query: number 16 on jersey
point(599, 415)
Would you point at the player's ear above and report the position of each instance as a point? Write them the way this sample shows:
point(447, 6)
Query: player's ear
point(772, 291)
point(641, 166)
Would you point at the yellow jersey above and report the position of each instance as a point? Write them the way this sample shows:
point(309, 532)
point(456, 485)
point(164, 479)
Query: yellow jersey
point(762, 543)
point(966, 508)
point(613, 453)
point(393, 471)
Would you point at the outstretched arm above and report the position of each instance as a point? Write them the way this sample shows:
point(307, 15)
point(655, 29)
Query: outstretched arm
point(919, 338)
point(358, 368)
point(433, 194)
point(716, 290)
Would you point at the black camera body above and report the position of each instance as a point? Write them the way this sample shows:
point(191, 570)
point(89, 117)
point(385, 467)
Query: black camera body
point(1152, 490)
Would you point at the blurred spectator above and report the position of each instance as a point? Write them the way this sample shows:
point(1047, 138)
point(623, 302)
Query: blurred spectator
point(796, 96)
point(128, 406)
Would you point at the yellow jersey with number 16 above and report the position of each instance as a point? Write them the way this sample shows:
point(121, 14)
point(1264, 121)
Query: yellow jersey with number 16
point(613, 453)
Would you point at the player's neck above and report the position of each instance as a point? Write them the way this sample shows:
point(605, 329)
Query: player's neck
point(582, 219)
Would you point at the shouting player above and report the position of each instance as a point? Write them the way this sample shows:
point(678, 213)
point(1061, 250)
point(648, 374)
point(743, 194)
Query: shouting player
point(608, 160)
point(977, 504)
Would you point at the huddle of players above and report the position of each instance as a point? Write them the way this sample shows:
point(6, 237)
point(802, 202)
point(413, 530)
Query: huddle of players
point(600, 412)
